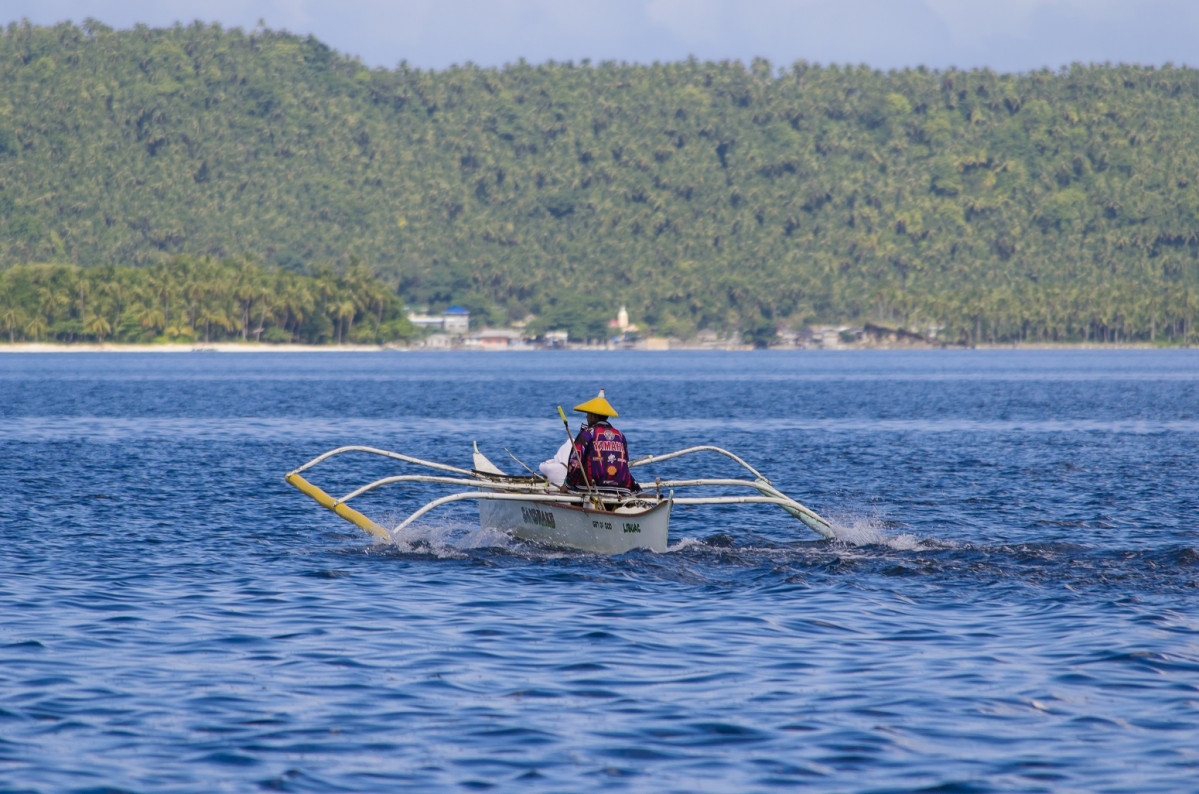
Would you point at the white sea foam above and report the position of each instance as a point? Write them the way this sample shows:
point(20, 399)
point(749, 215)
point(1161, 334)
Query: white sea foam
point(860, 530)
point(872, 531)
point(685, 542)
point(447, 538)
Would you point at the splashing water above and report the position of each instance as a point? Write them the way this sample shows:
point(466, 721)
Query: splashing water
point(446, 539)
point(871, 530)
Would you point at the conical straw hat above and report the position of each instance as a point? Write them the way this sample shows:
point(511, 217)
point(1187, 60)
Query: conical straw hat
point(597, 405)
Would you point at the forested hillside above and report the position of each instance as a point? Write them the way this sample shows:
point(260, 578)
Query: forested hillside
point(1050, 205)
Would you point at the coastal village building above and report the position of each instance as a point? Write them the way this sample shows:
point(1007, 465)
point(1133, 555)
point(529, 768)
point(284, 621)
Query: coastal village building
point(620, 327)
point(495, 339)
point(556, 338)
point(454, 321)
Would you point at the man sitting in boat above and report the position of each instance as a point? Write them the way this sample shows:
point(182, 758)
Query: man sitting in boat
point(600, 458)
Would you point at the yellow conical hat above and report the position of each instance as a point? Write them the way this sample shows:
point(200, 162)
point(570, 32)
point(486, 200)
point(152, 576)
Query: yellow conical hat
point(597, 405)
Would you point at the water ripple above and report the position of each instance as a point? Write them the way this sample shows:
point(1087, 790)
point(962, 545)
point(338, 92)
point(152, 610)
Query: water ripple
point(1009, 604)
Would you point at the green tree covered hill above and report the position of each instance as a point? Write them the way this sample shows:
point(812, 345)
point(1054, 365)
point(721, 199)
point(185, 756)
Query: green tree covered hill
point(1050, 205)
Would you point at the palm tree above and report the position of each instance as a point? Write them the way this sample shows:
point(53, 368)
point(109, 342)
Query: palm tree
point(12, 317)
point(214, 315)
point(83, 289)
point(266, 300)
point(51, 302)
point(152, 318)
point(344, 310)
point(162, 288)
point(36, 327)
point(98, 326)
point(247, 290)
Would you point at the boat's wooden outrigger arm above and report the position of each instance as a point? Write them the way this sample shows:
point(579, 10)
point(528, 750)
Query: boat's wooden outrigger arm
point(513, 486)
point(761, 483)
point(339, 507)
point(385, 453)
point(770, 495)
point(677, 453)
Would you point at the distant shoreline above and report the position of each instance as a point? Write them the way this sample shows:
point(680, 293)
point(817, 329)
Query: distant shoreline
point(91, 347)
point(225, 347)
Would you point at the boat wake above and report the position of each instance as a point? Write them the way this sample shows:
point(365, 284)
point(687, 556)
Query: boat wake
point(864, 551)
point(458, 539)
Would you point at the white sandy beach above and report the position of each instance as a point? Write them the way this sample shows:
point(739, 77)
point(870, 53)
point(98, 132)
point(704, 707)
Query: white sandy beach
point(252, 347)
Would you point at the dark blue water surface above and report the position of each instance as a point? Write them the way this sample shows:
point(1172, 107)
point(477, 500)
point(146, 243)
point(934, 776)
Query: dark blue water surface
point(1011, 604)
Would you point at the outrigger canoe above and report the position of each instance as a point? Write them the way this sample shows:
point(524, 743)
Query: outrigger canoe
point(529, 508)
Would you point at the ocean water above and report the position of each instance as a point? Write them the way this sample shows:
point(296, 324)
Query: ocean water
point(1011, 603)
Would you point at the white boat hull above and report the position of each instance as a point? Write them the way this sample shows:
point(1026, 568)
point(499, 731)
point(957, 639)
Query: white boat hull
point(575, 527)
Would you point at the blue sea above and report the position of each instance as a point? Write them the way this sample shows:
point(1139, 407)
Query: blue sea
point(1011, 603)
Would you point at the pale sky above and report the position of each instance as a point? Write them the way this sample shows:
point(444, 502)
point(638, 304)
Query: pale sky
point(1005, 35)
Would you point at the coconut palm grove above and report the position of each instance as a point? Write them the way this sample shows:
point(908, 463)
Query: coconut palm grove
point(199, 183)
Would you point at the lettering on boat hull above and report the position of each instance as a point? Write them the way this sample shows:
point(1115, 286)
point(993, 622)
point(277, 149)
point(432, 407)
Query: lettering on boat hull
point(628, 526)
point(568, 526)
point(536, 517)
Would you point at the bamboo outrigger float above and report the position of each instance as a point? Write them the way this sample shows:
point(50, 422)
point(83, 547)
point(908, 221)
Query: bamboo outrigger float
point(528, 507)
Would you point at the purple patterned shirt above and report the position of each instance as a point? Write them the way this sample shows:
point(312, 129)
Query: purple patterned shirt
point(604, 451)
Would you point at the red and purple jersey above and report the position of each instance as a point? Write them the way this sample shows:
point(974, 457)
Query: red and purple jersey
point(605, 453)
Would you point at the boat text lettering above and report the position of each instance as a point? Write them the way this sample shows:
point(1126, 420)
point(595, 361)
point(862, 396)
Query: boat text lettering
point(542, 518)
point(632, 527)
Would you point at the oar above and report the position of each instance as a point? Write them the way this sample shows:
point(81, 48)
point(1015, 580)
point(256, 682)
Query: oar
point(575, 452)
